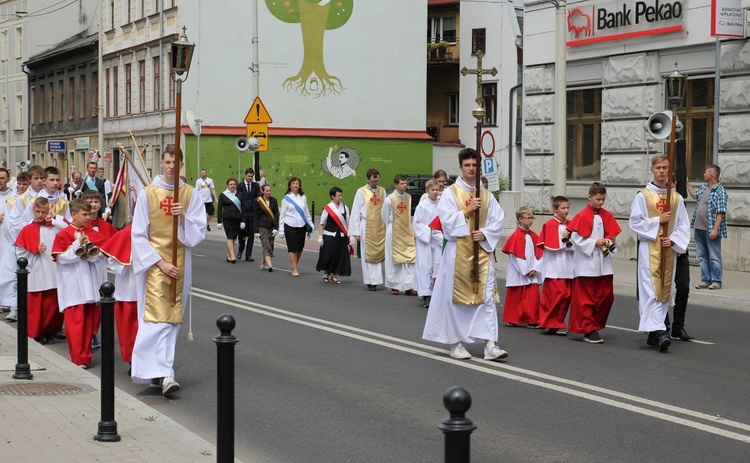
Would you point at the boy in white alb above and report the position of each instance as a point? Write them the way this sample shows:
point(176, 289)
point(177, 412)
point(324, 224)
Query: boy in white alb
point(429, 242)
point(400, 250)
point(557, 269)
point(523, 275)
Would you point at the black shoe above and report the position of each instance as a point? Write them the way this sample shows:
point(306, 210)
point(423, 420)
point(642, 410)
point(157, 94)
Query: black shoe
point(208, 227)
point(60, 335)
point(249, 259)
point(593, 338)
point(550, 331)
point(652, 340)
point(372, 287)
point(239, 255)
point(664, 342)
point(427, 300)
point(681, 334)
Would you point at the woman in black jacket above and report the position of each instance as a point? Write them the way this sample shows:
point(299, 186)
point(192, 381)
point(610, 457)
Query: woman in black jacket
point(266, 224)
point(229, 215)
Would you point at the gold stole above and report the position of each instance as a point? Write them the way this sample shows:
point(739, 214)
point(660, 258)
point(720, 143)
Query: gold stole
point(25, 199)
point(655, 204)
point(463, 283)
point(374, 228)
point(60, 207)
point(159, 308)
point(403, 248)
point(265, 207)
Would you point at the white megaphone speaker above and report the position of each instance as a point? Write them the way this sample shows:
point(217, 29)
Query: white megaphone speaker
point(253, 144)
point(242, 144)
point(659, 125)
point(24, 165)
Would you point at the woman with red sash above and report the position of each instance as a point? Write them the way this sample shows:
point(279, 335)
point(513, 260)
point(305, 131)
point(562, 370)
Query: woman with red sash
point(335, 249)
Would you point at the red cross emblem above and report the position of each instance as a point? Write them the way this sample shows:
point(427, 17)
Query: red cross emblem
point(166, 205)
point(467, 203)
point(401, 207)
point(661, 206)
point(375, 200)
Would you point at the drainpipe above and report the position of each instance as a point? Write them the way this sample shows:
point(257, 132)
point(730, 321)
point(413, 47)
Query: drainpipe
point(510, 135)
point(28, 113)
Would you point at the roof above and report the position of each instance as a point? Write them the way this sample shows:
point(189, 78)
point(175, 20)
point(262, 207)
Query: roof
point(442, 2)
point(69, 44)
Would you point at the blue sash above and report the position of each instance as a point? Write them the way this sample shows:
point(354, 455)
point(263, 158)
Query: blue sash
point(308, 225)
point(234, 199)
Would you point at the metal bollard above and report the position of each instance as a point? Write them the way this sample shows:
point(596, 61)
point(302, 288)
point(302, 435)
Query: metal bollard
point(225, 389)
point(457, 428)
point(23, 369)
point(107, 425)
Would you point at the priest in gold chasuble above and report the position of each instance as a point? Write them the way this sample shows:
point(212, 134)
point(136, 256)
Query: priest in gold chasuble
point(647, 215)
point(457, 314)
point(400, 248)
point(367, 226)
point(159, 319)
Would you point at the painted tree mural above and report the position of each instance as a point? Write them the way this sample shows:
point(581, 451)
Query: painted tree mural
point(315, 17)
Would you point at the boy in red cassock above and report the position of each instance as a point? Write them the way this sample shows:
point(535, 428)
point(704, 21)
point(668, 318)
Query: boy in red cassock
point(523, 274)
point(557, 269)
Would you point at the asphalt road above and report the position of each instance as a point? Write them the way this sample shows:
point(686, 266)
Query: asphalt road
point(328, 373)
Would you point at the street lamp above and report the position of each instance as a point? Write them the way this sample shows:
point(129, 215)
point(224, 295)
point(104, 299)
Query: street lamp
point(182, 55)
point(676, 85)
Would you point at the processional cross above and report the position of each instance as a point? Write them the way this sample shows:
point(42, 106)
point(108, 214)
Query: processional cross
point(478, 113)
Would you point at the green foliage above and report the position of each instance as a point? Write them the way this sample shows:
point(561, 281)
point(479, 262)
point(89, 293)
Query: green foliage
point(284, 10)
point(339, 11)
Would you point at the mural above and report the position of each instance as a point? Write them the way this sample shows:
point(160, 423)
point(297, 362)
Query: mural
point(314, 18)
point(342, 163)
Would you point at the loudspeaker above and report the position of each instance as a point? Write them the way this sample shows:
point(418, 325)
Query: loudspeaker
point(23, 165)
point(241, 144)
point(659, 125)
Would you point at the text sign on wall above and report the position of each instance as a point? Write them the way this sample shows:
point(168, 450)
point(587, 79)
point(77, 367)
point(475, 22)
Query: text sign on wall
point(604, 21)
point(727, 18)
point(56, 146)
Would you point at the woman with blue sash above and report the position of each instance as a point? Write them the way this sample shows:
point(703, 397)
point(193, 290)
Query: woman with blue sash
point(229, 216)
point(294, 221)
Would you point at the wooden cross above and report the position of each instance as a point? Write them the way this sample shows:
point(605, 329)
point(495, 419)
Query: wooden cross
point(479, 72)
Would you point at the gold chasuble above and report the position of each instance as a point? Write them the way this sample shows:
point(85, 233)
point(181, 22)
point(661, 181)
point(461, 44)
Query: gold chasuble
point(404, 249)
point(374, 228)
point(60, 207)
point(655, 203)
point(158, 291)
point(463, 283)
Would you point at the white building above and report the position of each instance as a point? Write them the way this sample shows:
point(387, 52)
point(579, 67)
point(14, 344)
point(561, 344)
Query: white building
point(618, 54)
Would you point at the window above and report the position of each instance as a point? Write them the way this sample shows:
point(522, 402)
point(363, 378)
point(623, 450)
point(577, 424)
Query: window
point(19, 112)
point(156, 6)
point(43, 101)
point(3, 45)
point(453, 109)
point(441, 28)
point(157, 82)
point(51, 102)
point(127, 10)
point(697, 117)
point(106, 92)
point(142, 86)
point(128, 89)
point(32, 105)
point(72, 87)
point(95, 78)
point(19, 42)
point(478, 40)
point(584, 109)
point(115, 91)
point(489, 95)
point(171, 84)
point(4, 123)
point(111, 14)
point(143, 9)
point(84, 99)
point(61, 99)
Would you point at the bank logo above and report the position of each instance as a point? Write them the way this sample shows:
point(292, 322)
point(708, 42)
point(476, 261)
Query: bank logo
point(580, 23)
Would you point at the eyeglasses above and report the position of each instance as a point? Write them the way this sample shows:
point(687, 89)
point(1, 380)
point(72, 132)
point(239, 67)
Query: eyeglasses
point(529, 218)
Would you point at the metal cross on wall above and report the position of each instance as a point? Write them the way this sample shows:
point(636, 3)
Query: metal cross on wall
point(479, 72)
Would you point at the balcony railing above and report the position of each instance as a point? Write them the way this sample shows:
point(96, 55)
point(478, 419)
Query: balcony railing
point(441, 51)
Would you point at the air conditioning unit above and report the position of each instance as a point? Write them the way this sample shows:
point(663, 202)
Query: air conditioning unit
point(24, 165)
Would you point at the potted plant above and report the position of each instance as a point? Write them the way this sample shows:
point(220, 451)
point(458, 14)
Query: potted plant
point(441, 46)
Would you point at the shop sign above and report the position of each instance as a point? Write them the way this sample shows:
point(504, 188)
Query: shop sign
point(727, 18)
point(81, 143)
point(595, 22)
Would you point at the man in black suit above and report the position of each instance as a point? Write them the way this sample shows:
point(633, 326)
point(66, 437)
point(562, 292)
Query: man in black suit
point(92, 182)
point(250, 191)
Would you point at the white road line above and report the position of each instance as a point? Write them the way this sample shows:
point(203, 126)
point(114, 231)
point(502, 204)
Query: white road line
point(483, 366)
point(636, 331)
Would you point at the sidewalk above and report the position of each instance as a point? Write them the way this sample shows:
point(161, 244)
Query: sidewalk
point(54, 416)
point(731, 296)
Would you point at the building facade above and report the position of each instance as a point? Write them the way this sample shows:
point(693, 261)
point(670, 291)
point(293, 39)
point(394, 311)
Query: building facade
point(618, 56)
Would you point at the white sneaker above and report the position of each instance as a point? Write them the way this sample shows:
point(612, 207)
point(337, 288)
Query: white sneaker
point(12, 316)
point(492, 352)
point(458, 351)
point(169, 385)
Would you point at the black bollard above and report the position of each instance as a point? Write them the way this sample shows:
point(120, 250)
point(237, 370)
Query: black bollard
point(107, 425)
point(23, 369)
point(457, 428)
point(225, 389)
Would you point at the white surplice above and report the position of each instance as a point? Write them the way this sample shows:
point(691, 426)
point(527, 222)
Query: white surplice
point(588, 260)
point(652, 312)
point(154, 349)
point(372, 272)
point(77, 279)
point(397, 276)
point(126, 286)
point(42, 269)
point(12, 225)
point(517, 273)
point(448, 322)
point(558, 263)
point(4, 197)
point(429, 244)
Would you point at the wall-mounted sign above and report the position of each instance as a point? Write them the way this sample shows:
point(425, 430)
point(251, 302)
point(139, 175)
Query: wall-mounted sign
point(56, 146)
point(488, 143)
point(596, 22)
point(727, 18)
point(82, 143)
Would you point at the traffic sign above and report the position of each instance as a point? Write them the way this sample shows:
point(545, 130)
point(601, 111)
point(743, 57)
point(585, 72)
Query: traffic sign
point(488, 144)
point(489, 170)
point(259, 131)
point(56, 146)
point(258, 114)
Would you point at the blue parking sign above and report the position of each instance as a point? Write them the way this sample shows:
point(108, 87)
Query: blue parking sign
point(489, 166)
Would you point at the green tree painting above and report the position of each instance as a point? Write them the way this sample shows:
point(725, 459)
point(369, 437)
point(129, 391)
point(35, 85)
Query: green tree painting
point(315, 17)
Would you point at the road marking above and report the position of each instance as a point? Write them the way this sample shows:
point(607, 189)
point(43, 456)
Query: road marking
point(636, 331)
point(565, 386)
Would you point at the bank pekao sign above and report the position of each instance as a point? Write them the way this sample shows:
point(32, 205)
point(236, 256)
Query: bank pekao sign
point(604, 21)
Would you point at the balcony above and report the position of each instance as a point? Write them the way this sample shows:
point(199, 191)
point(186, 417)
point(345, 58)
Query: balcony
point(440, 51)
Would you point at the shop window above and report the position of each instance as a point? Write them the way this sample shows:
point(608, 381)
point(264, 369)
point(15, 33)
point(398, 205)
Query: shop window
point(697, 116)
point(584, 109)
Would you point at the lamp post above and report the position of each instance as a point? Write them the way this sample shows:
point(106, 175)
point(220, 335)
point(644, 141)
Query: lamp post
point(676, 85)
point(182, 55)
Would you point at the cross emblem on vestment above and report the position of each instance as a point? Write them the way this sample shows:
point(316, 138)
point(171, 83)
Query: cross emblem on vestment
point(166, 205)
point(401, 207)
point(479, 72)
point(375, 200)
point(661, 206)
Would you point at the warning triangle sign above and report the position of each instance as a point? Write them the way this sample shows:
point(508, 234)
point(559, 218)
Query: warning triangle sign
point(258, 113)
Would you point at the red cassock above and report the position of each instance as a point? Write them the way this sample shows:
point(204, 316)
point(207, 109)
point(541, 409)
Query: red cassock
point(556, 292)
point(522, 302)
point(591, 303)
